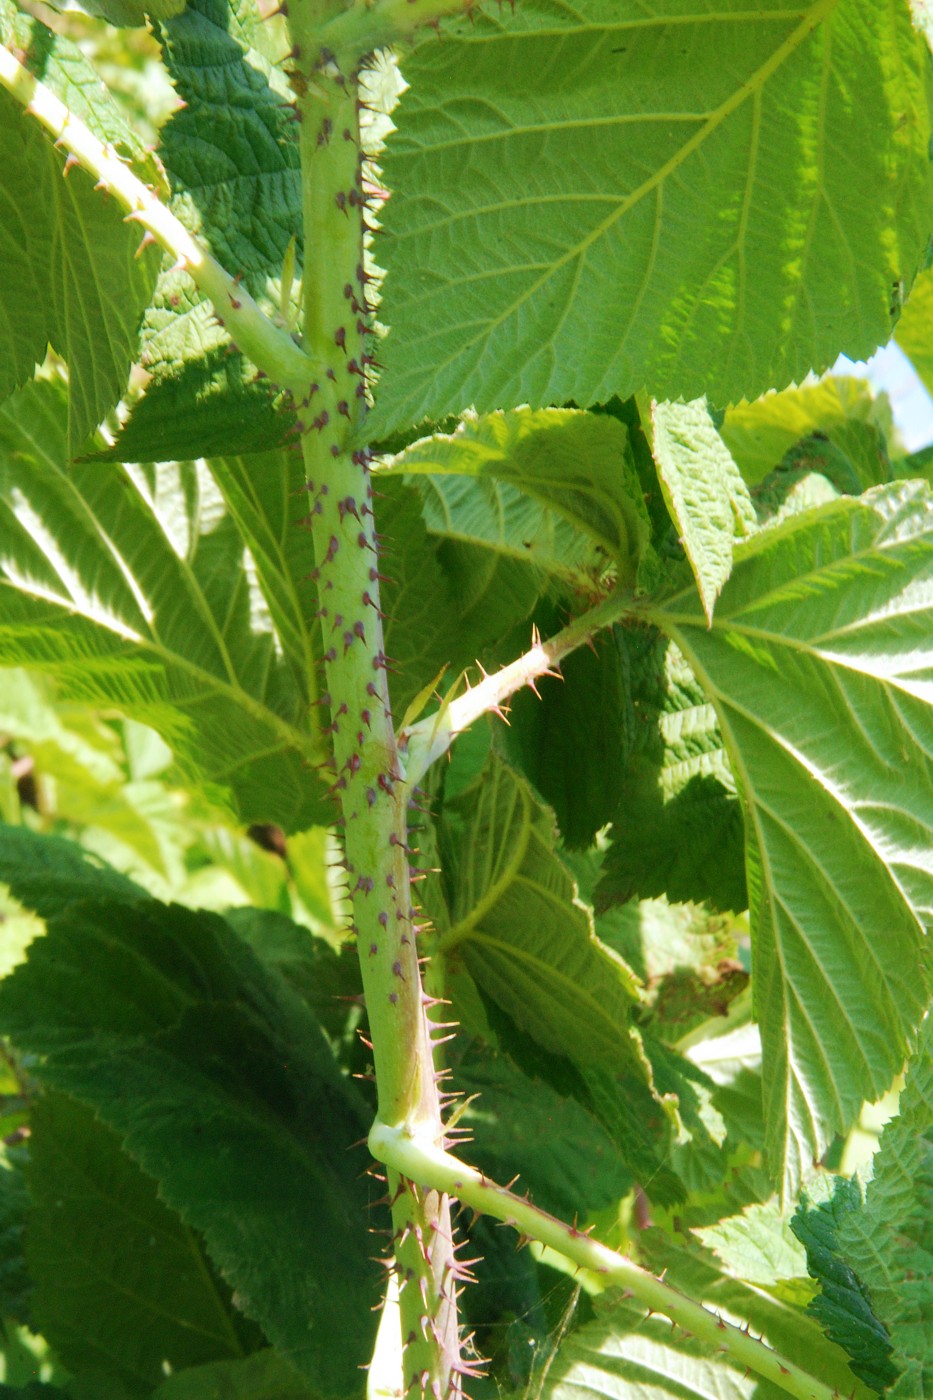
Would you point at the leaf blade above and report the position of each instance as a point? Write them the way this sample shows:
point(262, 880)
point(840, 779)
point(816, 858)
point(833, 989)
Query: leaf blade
point(825, 625)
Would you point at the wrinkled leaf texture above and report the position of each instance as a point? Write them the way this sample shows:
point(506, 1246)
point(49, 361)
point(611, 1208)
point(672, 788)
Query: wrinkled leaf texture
point(170, 594)
point(616, 195)
point(71, 277)
point(819, 665)
point(222, 1087)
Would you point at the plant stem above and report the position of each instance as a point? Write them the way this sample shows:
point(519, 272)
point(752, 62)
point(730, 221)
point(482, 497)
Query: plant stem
point(271, 349)
point(422, 1160)
point(367, 782)
point(427, 740)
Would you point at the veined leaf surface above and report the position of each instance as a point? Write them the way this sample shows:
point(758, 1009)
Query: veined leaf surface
point(70, 275)
point(141, 589)
point(615, 195)
point(556, 489)
point(820, 666)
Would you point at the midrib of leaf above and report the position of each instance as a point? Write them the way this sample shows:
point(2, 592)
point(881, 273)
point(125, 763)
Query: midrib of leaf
point(811, 18)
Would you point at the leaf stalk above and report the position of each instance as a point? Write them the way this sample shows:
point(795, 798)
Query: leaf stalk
point(271, 349)
point(405, 1150)
point(428, 739)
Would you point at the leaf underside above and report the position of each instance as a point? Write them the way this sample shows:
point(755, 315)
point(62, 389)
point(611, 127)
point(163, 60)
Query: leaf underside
point(615, 196)
point(819, 666)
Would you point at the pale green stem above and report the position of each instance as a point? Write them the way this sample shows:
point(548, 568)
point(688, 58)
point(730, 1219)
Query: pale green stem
point(270, 348)
point(422, 1161)
point(368, 784)
point(427, 740)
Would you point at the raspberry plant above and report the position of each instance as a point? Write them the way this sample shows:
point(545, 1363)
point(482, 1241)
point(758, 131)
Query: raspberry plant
point(306, 489)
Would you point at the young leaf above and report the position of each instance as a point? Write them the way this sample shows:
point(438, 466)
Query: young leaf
point(122, 1287)
point(707, 497)
point(756, 1245)
point(816, 663)
point(139, 590)
point(222, 1087)
point(71, 278)
point(613, 197)
point(556, 489)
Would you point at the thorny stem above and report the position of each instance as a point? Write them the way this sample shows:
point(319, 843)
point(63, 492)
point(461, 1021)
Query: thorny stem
point(270, 348)
point(366, 776)
point(423, 1161)
point(425, 741)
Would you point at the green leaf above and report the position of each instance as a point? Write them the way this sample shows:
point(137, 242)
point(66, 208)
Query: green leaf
point(889, 1243)
point(560, 999)
point(621, 1353)
point(231, 154)
point(421, 631)
point(203, 407)
point(74, 282)
point(140, 590)
point(817, 665)
point(707, 498)
point(16, 1284)
point(573, 739)
point(223, 1089)
point(815, 470)
point(516, 924)
point(607, 197)
point(262, 1376)
point(520, 1124)
point(677, 830)
point(778, 1313)
point(855, 419)
point(687, 956)
point(81, 758)
point(914, 332)
point(556, 489)
point(756, 1245)
point(843, 1305)
point(122, 1287)
point(132, 12)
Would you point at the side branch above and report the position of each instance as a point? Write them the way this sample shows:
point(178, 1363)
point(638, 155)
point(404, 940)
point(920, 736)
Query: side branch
point(270, 348)
point(430, 738)
point(430, 1166)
